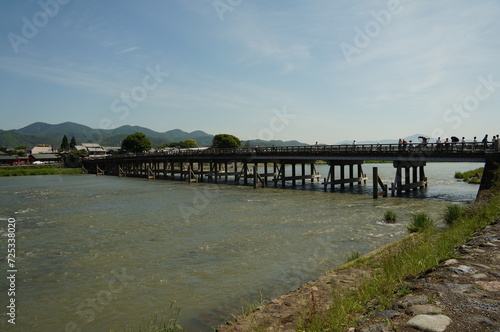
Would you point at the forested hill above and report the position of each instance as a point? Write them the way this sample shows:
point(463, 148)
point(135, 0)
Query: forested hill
point(44, 133)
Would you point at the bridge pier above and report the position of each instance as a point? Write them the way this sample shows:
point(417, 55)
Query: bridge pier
point(280, 173)
point(488, 177)
point(412, 168)
point(332, 181)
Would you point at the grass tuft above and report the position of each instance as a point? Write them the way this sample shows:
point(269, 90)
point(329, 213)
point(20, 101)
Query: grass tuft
point(167, 322)
point(390, 217)
point(452, 214)
point(250, 306)
point(421, 223)
point(352, 256)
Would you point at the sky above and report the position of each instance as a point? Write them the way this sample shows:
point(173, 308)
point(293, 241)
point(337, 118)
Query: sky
point(313, 71)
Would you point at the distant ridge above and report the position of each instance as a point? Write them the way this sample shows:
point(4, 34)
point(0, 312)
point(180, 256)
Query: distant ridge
point(44, 133)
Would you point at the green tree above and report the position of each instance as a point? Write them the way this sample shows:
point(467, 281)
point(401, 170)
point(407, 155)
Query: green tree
point(137, 142)
point(191, 143)
point(72, 144)
point(225, 141)
point(65, 143)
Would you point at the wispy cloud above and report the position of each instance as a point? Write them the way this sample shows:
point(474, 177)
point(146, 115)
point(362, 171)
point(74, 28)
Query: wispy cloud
point(263, 40)
point(127, 50)
point(58, 75)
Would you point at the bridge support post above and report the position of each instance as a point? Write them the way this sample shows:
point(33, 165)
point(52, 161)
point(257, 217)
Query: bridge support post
point(303, 174)
point(150, 172)
point(121, 171)
point(181, 171)
point(258, 181)
point(245, 173)
point(191, 175)
point(351, 174)
point(332, 181)
point(276, 171)
point(376, 182)
point(282, 172)
point(98, 170)
point(410, 168)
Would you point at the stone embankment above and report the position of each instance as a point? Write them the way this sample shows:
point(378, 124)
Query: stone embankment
point(460, 295)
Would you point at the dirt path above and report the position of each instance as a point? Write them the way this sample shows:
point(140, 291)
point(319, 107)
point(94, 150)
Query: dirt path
point(460, 295)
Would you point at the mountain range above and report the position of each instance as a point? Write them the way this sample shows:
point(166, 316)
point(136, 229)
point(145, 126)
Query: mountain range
point(44, 133)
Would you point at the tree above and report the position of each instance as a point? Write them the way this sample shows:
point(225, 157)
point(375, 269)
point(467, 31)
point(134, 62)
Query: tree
point(72, 144)
point(137, 142)
point(191, 143)
point(225, 141)
point(65, 144)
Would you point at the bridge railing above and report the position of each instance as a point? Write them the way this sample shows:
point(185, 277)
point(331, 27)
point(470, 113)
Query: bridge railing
point(425, 147)
point(468, 147)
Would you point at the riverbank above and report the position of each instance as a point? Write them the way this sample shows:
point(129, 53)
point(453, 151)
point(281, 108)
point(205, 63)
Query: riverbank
point(472, 177)
point(55, 169)
point(382, 291)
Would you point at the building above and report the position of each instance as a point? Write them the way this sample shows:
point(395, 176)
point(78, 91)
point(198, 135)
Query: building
point(93, 149)
point(6, 159)
point(110, 150)
point(45, 158)
point(41, 148)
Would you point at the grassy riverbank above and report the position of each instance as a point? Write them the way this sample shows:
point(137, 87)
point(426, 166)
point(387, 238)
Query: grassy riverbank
point(344, 297)
point(473, 176)
point(402, 261)
point(37, 170)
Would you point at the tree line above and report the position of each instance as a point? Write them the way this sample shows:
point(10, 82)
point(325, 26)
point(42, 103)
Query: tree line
point(138, 142)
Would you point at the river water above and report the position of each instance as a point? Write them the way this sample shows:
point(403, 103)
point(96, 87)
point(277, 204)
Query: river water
point(95, 253)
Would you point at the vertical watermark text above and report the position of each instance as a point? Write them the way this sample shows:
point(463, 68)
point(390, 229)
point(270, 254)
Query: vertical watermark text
point(11, 270)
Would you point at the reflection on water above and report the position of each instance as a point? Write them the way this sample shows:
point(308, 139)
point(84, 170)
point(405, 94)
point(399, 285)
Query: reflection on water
point(96, 253)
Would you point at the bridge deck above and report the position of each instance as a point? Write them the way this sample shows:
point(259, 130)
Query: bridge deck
point(452, 152)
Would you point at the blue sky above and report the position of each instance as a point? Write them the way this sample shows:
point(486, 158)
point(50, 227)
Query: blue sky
point(320, 70)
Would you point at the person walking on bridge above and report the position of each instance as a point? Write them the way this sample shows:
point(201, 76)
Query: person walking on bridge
point(485, 141)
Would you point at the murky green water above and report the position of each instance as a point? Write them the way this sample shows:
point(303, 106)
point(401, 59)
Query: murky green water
point(95, 253)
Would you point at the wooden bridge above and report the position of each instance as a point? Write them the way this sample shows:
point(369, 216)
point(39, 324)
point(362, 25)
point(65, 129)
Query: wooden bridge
point(261, 166)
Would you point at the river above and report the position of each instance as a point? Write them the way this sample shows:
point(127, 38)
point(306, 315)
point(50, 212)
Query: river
point(100, 253)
